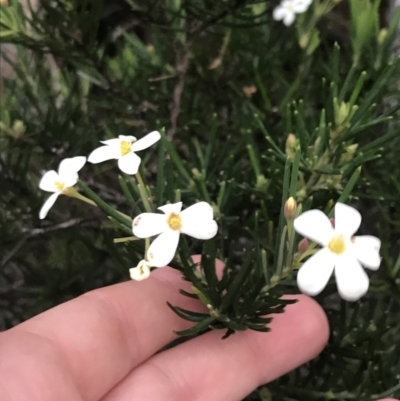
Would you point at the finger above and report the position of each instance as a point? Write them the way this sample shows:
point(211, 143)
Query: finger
point(105, 333)
point(208, 368)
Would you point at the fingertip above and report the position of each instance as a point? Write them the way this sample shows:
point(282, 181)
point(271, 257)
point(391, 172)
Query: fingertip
point(312, 319)
point(297, 336)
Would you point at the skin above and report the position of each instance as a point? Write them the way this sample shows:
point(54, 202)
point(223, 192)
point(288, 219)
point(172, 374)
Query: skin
point(102, 345)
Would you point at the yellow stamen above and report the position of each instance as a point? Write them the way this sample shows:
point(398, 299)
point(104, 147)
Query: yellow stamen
point(174, 221)
point(337, 245)
point(59, 185)
point(125, 148)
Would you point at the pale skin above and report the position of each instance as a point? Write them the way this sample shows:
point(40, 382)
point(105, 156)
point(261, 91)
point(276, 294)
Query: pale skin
point(102, 345)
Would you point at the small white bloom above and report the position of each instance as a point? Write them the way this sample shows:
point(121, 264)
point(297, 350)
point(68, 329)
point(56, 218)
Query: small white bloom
point(288, 9)
point(141, 271)
point(341, 253)
point(123, 149)
point(196, 221)
point(58, 183)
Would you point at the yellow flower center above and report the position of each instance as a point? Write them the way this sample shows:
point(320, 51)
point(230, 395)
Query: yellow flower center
point(337, 245)
point(59, 185)
point(125, 147)
point(174, 221)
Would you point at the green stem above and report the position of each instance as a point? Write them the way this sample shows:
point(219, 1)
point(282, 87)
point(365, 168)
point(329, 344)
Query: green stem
point(125, 239)
point(119, 217)
point(143, 193)
point(73, 193)
point(388, 393)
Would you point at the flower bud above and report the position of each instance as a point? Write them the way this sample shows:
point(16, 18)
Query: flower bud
point(303, 245)
point(262, 183)
point(341, 113)
point(291, 144)
point(382, 36)
point(290, 208)
point(18, 128)
point(141, 271)
point(332, 220)
point(347, 156)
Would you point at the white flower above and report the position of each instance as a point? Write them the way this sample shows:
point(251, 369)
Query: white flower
point(288, 9)
point(341, 252)
point(141, 271)
point(123, 149)
point(196, 221)
point(59, 183)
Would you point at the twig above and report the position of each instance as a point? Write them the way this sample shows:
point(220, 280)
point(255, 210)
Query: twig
point(29, 233)
point(213, 20)
point(181, 67)
point(61, 226)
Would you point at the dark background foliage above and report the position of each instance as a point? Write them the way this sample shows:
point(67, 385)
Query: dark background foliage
point(227, 83)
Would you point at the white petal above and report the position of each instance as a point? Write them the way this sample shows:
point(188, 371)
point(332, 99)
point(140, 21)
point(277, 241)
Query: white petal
point(148, 224)
point(47, 183)
point(103, 153)
point(140, 272)
point(289, 18)
point(162, 249)
point(351, 279)
point(73, 164)
point(171, 208)
point(200, 229)
point(197, 221)
point(366, 249)
point(315, 272)
point(200, 210)
point(47, 205)
point(114, 142)
point(347, 220)
point(69, 179)
point(129, 163)
point(127, 138)
point(314, 225)
point(300, 6)
point(146, 141)
point(279, 13)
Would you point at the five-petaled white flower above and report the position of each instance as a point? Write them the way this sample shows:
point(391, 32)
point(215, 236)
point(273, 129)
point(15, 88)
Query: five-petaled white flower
point(288, 9)
point(341, 252)
point(196, 221)
point(60, 182)
point(123, 149)
point(141, 271)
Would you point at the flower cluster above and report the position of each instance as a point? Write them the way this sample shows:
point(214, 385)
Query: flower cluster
point(341, 252)
point(122, 149)
point(196, 221)
point(287, 10)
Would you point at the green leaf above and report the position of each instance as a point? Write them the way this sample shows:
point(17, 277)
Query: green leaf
point(348, 188)
point(189, 315)
point(198, 328)
point(240, 276)
point(295, 173)
point(208, 263)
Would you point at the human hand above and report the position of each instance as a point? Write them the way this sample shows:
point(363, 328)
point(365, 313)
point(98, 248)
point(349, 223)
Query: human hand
point(101, 346)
